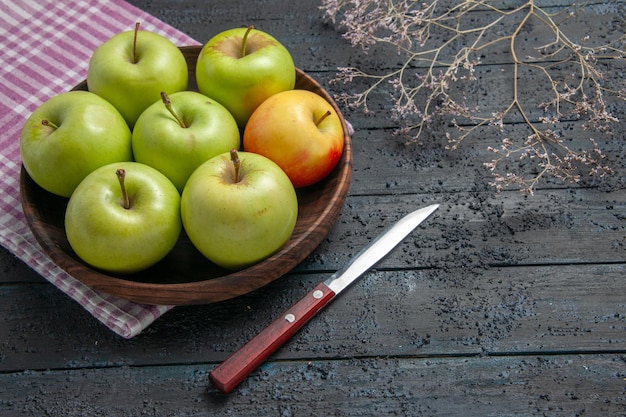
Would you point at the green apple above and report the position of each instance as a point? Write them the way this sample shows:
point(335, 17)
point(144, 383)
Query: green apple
point(132, 68)
point(183, 131)
point(70, 135)
point(300, 131)
point(241, 68)
point(238, 209)
point(123, 217)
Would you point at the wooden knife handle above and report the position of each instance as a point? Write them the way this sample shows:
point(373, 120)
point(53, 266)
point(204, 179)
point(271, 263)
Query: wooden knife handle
point(250, 356)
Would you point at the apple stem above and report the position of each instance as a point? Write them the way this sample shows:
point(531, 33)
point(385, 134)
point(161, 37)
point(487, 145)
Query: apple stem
point(168, 106)
point(234, 156)
point(245, 40)
point(47, 122)
point(322, 117)
point(135, 43)
point(121, 174)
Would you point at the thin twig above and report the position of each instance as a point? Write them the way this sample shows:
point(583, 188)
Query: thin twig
point(428, 35)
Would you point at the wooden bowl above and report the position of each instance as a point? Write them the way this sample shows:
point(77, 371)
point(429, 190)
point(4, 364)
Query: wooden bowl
point(185, 276)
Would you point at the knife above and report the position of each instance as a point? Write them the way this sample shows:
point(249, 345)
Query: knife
point(230, 373)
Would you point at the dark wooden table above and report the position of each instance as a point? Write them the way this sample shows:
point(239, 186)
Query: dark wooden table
point(500, 304)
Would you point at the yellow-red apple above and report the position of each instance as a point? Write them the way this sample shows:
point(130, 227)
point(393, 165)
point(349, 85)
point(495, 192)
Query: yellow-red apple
point(298, 130)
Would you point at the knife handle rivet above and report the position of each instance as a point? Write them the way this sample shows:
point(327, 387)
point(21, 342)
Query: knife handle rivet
point(317, 294)
point(290, 318)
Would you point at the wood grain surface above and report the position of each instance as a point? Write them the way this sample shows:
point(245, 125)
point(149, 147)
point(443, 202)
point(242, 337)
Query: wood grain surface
point(499, 305)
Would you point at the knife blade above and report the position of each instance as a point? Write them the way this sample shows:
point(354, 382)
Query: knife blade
point(230, 373)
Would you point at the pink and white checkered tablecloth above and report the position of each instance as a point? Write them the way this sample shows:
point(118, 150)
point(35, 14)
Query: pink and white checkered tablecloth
point(45, 47)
